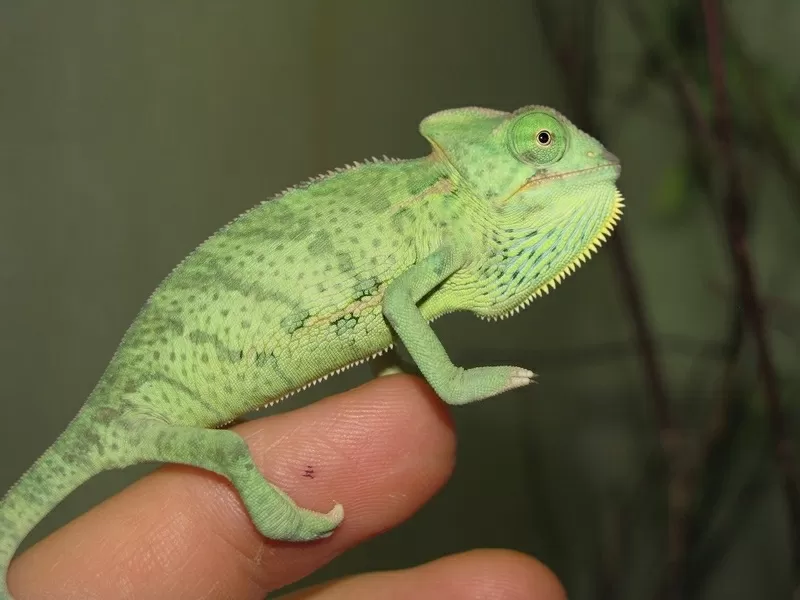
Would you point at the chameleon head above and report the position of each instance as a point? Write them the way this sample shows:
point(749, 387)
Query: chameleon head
point(542, 196)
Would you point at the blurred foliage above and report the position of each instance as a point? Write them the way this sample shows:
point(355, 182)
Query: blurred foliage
point(707, 480)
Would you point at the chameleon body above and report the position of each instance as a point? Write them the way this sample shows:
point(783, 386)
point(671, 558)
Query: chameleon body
point(326, 275)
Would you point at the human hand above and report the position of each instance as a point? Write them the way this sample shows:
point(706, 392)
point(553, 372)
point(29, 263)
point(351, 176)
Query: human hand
point(382, 450)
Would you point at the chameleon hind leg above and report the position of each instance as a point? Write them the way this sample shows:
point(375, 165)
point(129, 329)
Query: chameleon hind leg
point(224, 452)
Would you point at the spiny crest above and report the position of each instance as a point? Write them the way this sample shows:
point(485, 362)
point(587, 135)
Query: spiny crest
point(332, 172)
point(303, 184)
point(593, 246)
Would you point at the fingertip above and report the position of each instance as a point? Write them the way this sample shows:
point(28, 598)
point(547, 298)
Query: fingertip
point(506, 574)
point(381, 450)
point(473, 575)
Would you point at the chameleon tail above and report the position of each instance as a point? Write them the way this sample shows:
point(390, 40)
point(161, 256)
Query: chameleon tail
point(70, 461)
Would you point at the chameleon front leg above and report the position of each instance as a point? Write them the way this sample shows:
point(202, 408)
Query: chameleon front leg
point(272, 511)
point(455, 385)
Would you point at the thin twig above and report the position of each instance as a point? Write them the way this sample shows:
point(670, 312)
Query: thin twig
point(715, 154)
point(579, 60)
point(767, 131)
point(644, 338)
point(735, 209)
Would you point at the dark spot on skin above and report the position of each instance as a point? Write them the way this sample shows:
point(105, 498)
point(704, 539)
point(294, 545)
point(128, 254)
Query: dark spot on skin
point(344, 262)
point(439, 265)
point(105, 414)
point(345, 323)
point(293, 322)
point(321, 243)
point(366, 288)
point(263, 357)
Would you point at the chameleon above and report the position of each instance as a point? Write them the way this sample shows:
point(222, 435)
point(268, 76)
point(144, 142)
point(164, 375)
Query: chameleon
point(325, 275)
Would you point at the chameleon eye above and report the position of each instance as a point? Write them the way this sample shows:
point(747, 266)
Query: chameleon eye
point(544, 138)
point(537, 138)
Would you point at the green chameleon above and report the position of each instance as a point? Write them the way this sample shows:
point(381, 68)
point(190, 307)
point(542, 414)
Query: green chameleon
point(327, 275)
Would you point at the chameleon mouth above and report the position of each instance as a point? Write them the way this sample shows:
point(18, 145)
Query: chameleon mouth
point(537, 181)
point(605, 230)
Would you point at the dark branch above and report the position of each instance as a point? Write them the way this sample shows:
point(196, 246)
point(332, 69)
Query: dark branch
point(735, 212)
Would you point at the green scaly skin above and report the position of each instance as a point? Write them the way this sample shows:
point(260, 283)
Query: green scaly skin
point(327, 275)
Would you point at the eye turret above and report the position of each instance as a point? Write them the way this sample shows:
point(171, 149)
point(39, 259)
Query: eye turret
point(537, 138)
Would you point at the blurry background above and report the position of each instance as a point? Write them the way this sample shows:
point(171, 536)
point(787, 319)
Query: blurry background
point(650, 460)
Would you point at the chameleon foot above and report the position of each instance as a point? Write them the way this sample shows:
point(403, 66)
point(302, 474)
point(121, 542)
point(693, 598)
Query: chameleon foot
point(272, 511)
point(300, 524)
point(469, 385)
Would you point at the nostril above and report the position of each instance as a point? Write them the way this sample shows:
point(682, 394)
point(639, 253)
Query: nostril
point(607, 156)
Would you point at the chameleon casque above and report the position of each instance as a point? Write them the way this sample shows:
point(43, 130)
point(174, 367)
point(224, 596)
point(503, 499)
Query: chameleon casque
point(326, 275)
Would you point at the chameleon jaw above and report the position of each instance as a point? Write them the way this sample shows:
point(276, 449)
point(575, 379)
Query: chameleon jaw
point(605, 231)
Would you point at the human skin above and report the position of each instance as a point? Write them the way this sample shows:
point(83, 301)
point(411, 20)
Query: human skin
point(382, 450)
